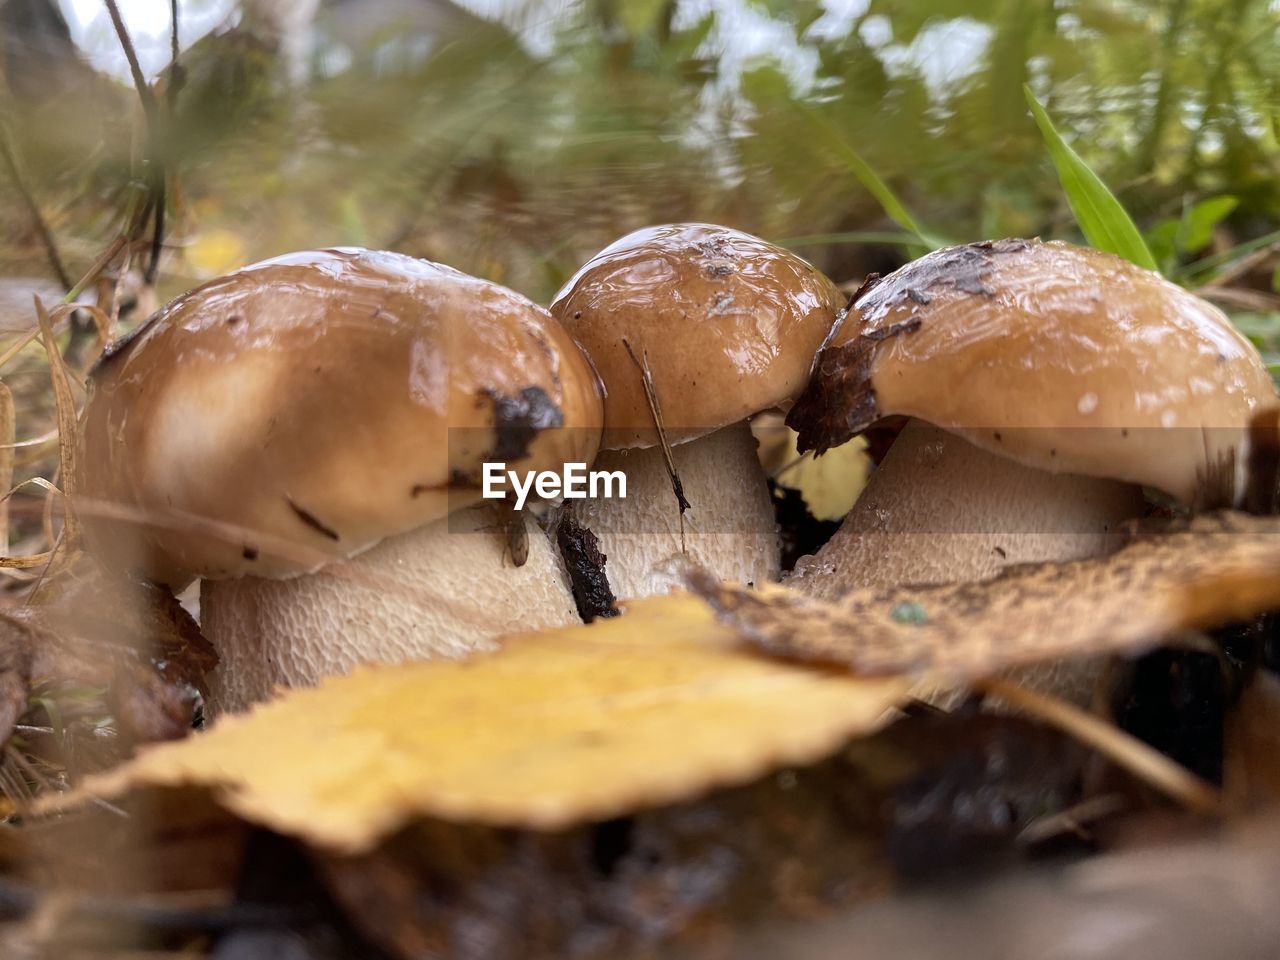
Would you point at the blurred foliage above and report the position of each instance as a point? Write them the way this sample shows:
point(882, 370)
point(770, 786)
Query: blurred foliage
point(516, 161)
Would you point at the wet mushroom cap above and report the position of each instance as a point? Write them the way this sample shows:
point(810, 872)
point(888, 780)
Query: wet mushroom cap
point(1056, 356)
point(730, 325)
point(314, 404)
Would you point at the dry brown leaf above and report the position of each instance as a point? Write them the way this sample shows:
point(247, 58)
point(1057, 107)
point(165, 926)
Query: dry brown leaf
point(582, 723)
point(1217, 569)
point(131, 639)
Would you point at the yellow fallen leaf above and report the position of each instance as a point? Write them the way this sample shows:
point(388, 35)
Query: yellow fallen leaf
point(582, 723)
point(828, 484)
point(1215, 570)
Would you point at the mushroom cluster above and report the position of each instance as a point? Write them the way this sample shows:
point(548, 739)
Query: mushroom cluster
point(307, 435)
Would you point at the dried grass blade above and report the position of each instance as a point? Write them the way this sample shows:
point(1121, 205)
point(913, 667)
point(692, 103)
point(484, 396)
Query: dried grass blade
point(1144, 762)
point(60, 378)
point(8, 432)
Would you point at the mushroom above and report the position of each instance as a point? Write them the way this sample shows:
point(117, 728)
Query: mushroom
point(1048, 384)
point(727, 325)
point(306, 436)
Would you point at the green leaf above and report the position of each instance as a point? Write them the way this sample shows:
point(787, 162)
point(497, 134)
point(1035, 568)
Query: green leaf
point(1195, 230)
point(1103, 220)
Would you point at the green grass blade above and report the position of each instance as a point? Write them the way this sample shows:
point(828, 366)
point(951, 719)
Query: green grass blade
point(888, 200)
point(1103, 220)
point(1194, 274)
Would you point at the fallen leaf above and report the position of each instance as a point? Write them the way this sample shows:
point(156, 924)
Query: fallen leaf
point(1216, 569)
point(828, 484)
point(588, 722)
point(86, 650)
point(132, 638)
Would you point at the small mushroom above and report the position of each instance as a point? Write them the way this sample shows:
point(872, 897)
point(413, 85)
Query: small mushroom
point(1048, 383)
point(726, 325)
point(306, 435)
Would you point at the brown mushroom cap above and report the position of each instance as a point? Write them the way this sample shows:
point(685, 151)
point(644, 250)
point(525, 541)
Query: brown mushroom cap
point(1058, 357)
point(322, 401)
point(729, 323)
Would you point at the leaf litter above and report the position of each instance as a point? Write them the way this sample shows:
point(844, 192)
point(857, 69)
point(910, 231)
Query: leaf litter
point(665, 703)
point(1169, 577)
point(558, 727)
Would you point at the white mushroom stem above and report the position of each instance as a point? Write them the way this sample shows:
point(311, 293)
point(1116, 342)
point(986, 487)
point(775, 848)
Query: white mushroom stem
point(729, 528)
point(940, 510)
point(445, 589)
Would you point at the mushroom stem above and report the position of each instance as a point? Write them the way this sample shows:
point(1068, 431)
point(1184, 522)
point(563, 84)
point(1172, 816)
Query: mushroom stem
point(940, 510)
point(445, 590)
point(729, 529)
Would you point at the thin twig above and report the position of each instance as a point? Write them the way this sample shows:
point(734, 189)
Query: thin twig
point(145, 93)
point(157, 235)
point(173, 33)
point(37, 218)
point(177, 75)
point(1144, 762)
point(1241, 267)
point(156, 176)
point(1242, 298)
point(655, 410)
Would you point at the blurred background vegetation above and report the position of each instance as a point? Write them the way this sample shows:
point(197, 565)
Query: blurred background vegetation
point(513, 139)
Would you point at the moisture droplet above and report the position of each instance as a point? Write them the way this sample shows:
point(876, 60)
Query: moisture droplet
point(1087, 403)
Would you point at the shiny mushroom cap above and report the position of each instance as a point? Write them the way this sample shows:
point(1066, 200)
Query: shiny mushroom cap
point(306, 407)
point(729, 325)
point(1058, 357)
